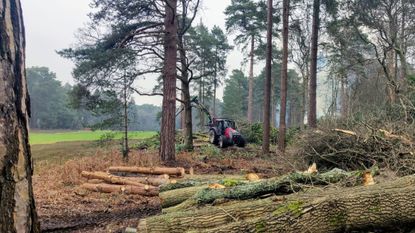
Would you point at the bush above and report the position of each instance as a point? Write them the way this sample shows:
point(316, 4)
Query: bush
point(149, 143)
point(253, 133)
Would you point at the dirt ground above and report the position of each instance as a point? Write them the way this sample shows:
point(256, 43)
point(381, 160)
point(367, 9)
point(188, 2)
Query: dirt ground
point(63, 207)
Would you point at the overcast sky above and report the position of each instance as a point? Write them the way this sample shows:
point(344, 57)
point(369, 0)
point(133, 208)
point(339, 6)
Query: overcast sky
point(51, 26)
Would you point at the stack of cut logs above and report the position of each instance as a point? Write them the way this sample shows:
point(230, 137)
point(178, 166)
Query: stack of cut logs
point(143, 181)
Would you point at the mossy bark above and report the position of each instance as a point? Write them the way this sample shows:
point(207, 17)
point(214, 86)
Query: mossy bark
point(177, 196)
point(280, 185)
point(358, 208)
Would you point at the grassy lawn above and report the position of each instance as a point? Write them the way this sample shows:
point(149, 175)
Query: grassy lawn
point(50, 137)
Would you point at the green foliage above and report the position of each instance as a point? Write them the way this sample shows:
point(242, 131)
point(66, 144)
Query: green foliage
point(210, 151)
point(253, 133)
point(246, 18)
point(148, 143)
point(49, 102)
point(235, 96)
point(230, 182)
point(106, 138)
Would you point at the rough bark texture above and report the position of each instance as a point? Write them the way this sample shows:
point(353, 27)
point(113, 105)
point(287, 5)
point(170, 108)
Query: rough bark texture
point(111, 179)
point(187, 124)
point(284, 77)
point(267, 87)
point(312, 90)
point(177, 196)
point(168, 124)
point(279, 185)
point(17, 207)
point(126, 148)
point(251, 82)
point(175, 171)
point(359, 208)
point(123, 189)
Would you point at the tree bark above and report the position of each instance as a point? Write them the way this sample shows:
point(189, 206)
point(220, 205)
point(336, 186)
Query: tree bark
point(111, 179)
point(251, 82)
point(284, 77)
point(126, 148)
point(338, 210)
point(267, 87)
point(176, 171)
point(186, 119)
point(344, 97)
point(122, 189)
point(177, 196)
point(273, 102)
point(168, 124)
point(312, 111)
point(17, 205)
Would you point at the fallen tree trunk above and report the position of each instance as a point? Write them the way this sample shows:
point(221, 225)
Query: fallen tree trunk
point(176, 171)
point(280, 185)
point(181, 185)
point(177, 196)
point(111, 179)
point(338, 210)
point(123, 189)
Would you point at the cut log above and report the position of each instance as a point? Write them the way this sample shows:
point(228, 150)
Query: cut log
point(123, 189)
point(176, 171)
point(173, 184)
point(108, 178)
point(338, 210)
point(177, 196)
point(154, 181)
point(280, 185)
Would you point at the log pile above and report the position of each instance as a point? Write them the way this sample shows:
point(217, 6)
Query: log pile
point(334, 210)
point(145, 182)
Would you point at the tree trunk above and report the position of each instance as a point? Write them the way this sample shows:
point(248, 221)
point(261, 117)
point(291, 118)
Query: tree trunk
point(273, 102)
point(344, 97)
point(284, 77)
point(188, 129)
point(339, 210)
point(125, 149)
point(267, 87)
point(174, 171)
point(168, 123)
point(111, 179)
point(17, 205)
point(177, 196)
point(186, 119)
point(312, 106)
point(122, 189)
point(251, 82)
point(214, 97)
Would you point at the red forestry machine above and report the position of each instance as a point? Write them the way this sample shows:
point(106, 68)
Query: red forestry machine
point(222, 131)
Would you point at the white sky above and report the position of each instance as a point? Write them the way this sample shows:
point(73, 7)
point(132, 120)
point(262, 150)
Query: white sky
point(52, 24)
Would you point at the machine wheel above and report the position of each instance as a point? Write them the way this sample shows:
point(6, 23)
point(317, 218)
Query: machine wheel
point(222, 141)
point(241, 142)
point(213, 138)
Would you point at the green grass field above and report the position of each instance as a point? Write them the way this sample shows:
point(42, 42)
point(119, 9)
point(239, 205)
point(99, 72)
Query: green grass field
point(50, 137)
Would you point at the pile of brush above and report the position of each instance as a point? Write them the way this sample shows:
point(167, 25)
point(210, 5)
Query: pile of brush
point(350, 150)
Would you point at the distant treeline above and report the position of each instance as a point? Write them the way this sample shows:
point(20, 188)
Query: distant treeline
point(51, 108)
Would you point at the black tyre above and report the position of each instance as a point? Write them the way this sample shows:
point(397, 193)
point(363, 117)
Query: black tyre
point(213, 137)
point(222, 141)
point(241, 142)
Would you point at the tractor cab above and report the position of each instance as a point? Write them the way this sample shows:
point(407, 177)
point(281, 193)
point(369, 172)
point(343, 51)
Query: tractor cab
point(222, 132)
